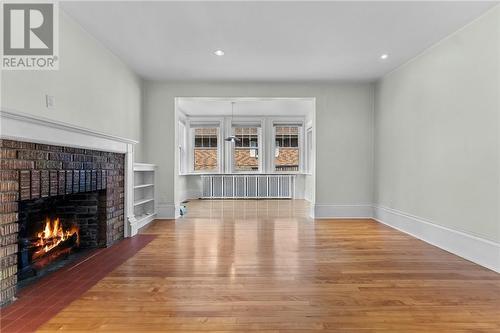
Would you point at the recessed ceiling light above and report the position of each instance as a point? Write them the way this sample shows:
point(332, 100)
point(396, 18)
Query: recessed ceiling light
point(384, 56)
point(219, 53)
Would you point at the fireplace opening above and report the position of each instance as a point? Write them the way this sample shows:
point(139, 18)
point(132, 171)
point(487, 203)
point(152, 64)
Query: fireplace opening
point(53, 241)
point(55, 231)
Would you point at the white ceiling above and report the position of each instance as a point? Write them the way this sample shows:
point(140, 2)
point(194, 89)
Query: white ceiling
point(270, 41)
point(291, 107)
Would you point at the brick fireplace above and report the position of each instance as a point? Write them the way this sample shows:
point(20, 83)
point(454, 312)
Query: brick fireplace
point(85, 185)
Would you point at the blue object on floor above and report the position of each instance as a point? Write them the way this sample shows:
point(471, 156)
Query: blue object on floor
point(183, 210)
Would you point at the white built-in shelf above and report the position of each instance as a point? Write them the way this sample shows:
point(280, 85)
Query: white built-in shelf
point(143, 186)
point(142, 202)
point(144, 194)
point(144, 167)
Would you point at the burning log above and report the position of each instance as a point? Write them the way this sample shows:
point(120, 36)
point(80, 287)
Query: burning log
point(54, 236)
point(59, 246)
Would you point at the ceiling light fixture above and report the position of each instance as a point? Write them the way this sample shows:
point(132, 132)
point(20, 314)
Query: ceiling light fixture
point(232, 138)
point(219, 53)
point(384, 56)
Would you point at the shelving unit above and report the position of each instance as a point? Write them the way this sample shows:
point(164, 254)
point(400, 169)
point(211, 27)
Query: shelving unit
point(143, 186)
point(144, 194)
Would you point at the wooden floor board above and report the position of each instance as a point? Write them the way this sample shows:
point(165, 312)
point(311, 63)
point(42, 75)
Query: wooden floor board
point(263, 266)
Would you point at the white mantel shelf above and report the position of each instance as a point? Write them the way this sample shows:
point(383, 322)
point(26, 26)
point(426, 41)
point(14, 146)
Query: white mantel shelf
point(26, 127)
point(20, 126)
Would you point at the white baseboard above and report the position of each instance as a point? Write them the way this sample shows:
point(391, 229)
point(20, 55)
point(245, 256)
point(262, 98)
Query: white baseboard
point(145, 221)
point(135, 223)
point(478, 250)
point(166, 211)
point(331, 211)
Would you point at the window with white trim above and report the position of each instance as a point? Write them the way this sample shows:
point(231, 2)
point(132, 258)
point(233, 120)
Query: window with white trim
point(246, 152)
point(266, 145)
point(287, 148)
point(205, 149)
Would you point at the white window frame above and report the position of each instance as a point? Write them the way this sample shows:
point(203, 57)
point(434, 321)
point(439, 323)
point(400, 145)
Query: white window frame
point(247, 123)
point(309, 153)
point(287, 122)
point(200, 123)
point(182, 148)
point(225, 150)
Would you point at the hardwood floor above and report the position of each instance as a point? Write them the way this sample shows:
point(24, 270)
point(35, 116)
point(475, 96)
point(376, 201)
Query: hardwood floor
point(262, 266)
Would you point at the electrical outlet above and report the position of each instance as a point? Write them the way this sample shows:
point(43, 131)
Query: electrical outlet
point(50, 101)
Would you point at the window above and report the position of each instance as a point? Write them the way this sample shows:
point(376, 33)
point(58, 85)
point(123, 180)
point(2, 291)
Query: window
point(206, 153)
point(264, 145)
point(287, 148)
point(246, 150)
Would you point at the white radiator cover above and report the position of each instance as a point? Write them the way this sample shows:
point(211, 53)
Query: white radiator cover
point(248, 186)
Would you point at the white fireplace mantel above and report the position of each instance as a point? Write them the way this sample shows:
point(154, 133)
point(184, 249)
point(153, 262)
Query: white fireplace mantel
point(20, 126)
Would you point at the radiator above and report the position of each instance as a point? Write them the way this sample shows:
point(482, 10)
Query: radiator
point(248, 186)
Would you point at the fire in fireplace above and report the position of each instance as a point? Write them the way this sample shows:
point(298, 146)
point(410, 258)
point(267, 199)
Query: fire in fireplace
point(54, 239)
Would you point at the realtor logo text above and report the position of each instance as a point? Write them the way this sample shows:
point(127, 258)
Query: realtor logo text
point(30, 35)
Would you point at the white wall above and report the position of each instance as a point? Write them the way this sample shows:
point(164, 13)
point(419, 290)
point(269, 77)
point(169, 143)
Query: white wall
point(437, 133)
point(344, 122)
point(93, 88)
point(189, 187)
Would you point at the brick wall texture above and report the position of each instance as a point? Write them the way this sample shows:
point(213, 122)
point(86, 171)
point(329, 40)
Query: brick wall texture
point(287, 157)
point(205, 159)
point(31, 171)
point(244, 161)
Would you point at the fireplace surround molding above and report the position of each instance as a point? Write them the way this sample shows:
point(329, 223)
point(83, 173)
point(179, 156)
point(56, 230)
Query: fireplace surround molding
point(21, 127)
point(15, 125)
